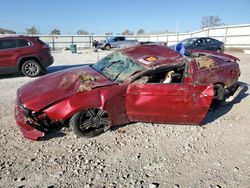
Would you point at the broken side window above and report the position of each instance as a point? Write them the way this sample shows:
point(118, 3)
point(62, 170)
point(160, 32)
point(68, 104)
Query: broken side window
point(169, 75)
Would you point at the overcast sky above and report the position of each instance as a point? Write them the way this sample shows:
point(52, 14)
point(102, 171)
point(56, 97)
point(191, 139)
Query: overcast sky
point(117, 15)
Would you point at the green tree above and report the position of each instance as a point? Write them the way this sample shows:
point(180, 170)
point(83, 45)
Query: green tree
point(6, 31)
point(82, 32)
point(140, 31)
point(55, 32)
point(109, 33)
point(32, 30)
point(127, 32)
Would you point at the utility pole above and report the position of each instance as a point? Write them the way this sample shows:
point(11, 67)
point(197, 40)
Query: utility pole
point(177, 31)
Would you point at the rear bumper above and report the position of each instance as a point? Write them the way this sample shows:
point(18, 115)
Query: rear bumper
point(235, 93)
point(25, 128)
point(48, 62)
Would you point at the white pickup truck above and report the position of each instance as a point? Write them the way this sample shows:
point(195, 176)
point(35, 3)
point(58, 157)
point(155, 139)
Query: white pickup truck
point(115, 42)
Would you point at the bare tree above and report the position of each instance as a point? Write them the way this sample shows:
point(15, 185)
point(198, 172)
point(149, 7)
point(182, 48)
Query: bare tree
point(82, 32)
point(210, 21)
point(32, 30)
point(140, 31)
point(109, 33)
point(55, 32)
point(127, 32)
point(6, 31)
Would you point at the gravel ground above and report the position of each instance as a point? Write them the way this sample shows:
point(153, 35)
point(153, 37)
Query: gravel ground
point(216, 154)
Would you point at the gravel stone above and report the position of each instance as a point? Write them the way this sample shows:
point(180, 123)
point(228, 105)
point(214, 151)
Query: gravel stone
point(216, 154)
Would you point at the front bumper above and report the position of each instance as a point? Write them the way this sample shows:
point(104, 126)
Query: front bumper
point(27, 130)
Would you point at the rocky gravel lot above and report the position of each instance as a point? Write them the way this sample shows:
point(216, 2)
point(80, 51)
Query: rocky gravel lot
point(214, 155)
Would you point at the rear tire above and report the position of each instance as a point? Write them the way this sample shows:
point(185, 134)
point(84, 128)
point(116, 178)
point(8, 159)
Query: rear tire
point(31, 68)
point(219, 95)
point(219, 92)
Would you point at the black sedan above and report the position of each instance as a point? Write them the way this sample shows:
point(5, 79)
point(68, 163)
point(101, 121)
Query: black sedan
point(203, 43)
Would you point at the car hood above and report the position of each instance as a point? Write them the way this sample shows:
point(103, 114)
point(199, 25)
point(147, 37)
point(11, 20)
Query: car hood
point(49, 89)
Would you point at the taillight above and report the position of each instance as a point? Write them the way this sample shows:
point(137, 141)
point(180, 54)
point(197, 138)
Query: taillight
point(45, 46)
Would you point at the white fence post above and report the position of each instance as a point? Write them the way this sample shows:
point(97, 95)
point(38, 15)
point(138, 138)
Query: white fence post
point(225, 37)
point(53, 42)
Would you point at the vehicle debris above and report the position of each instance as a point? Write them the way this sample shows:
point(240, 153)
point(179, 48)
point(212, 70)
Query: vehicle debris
point(86, 81)
point(204, 62)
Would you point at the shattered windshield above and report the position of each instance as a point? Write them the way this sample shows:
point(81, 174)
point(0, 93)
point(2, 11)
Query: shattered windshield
point(111, 39)
point(117, 67)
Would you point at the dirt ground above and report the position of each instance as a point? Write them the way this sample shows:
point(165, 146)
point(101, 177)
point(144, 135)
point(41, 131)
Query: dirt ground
point(216, 154)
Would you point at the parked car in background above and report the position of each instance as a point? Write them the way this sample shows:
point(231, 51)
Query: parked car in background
point(26, 54)
point(115, 42)
point(203, 43)
point(147, 83)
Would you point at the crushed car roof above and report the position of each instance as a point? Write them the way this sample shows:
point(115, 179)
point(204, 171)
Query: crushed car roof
point(153, 55)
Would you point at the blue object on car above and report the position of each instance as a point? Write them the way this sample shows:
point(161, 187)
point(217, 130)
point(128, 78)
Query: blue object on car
point(180, 48)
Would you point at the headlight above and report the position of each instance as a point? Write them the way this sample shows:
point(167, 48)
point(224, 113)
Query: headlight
point(26, 111)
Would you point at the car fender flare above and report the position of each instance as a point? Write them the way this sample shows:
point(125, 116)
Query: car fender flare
point(96, 99)
point(21, 60)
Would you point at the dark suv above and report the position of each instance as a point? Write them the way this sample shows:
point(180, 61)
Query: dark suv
point(26, 54)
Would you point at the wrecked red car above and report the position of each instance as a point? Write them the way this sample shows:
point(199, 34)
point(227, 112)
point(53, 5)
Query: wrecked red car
point(146, 83)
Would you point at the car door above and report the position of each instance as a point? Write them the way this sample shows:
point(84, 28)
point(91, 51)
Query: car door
point(168, 103)
point(201, 45)
point(8, 53)
point(121, 42)
point(114, 42)
point(209, 44)
point(217, 45)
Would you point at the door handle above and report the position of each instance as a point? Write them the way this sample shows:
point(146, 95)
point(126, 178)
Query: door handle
point(17, 50)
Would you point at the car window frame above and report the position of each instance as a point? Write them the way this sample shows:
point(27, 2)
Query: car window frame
point(17, 47)
point(8, 48)
point(157, 70)
point(128, 58)
point(23, 46)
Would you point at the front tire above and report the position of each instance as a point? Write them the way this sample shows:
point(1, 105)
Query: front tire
point(90, 122)
point(31, 68)
point(107, 47)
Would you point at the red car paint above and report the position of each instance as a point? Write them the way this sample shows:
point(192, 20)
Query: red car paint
point(56, 96)
point(165, 103)
point(162, 54)
point(223, 71)
point(216, 54)
point(61, 85)
point(26, 130)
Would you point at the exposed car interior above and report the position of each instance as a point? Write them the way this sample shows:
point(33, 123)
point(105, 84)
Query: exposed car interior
point(202, 60)
point(162, 75)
